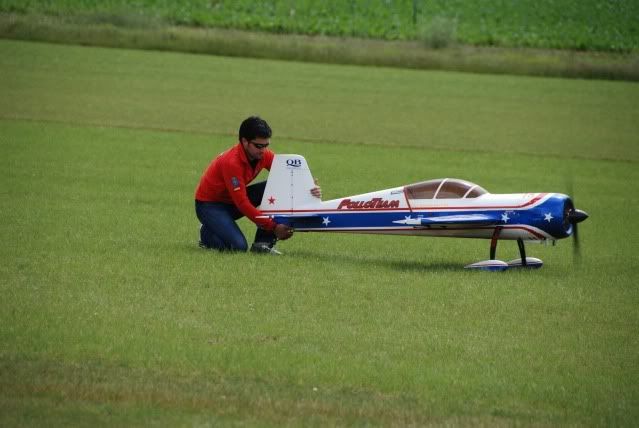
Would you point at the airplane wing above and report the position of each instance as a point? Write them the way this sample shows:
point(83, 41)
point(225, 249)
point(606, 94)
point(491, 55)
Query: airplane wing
point(450, 220)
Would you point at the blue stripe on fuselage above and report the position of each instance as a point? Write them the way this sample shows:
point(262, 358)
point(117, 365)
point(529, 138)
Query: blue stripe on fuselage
point(547, 216)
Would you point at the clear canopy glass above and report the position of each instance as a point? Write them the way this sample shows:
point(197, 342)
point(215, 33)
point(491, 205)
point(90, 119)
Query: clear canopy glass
point(444, 188)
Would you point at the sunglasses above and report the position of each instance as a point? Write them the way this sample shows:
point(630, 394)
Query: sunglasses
point(259, 146)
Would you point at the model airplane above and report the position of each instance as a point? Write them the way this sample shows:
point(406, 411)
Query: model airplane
point(443, 207)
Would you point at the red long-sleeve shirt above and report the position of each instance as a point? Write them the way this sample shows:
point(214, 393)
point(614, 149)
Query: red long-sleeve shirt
point(226, 178)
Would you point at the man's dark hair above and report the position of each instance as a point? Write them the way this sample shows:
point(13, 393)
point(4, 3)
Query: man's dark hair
point(255, 127)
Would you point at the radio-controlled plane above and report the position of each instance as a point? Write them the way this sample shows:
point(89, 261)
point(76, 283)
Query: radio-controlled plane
point(446, 207)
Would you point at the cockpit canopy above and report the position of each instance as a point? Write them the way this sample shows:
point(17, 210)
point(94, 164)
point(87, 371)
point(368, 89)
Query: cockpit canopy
point(444, 188)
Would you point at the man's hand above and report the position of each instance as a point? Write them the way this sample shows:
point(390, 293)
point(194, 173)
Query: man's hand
point(317, 190)
point(283, 232)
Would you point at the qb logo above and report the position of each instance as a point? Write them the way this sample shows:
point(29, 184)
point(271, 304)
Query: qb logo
point(294, 162)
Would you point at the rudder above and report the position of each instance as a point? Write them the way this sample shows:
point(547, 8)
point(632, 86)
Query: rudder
point(289, 185)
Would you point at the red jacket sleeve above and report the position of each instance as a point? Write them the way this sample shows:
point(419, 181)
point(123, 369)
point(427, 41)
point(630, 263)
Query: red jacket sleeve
point(236, 187)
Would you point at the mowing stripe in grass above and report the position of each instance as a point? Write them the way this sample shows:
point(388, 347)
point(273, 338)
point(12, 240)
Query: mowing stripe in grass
point(345, 104)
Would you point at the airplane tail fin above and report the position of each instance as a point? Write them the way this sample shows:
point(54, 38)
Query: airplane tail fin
point(289, 185)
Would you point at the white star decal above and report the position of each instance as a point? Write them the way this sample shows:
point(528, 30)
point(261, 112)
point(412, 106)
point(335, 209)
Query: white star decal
point(505, 218)
point(548, 217)
point(325, 221)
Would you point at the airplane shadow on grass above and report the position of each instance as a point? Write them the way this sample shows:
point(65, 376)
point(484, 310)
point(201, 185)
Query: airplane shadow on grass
point(386, 262)
point(353, 259)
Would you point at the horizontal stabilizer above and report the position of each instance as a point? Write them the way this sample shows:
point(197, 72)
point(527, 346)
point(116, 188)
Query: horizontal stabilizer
point(299, 220)
point(450, 220)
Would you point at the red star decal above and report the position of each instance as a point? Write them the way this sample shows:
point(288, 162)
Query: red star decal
point(271, 200)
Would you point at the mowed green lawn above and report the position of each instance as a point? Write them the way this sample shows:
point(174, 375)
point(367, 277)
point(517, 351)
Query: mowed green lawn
point(111, 315)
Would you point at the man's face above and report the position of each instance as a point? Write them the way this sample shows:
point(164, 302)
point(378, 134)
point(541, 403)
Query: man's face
point(255, 148)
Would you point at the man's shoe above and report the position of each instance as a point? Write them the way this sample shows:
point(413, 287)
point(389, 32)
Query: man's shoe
point(264, 248)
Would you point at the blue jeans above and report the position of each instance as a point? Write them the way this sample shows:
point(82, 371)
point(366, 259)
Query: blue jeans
point(219, 229)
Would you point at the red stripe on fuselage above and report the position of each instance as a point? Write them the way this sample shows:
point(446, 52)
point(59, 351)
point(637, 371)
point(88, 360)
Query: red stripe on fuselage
point(411, 209)
point(335, 210)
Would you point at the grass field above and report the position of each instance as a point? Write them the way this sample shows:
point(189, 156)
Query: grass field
point(111, 315)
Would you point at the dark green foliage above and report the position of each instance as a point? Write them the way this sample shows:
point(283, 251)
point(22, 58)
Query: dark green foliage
point(573, 24)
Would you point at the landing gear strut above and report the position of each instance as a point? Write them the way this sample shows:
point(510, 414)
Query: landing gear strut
point(497, 265)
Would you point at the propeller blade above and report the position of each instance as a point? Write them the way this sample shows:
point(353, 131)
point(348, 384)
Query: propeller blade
point(570, 185)
point(575, 242)
point(574, 216)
